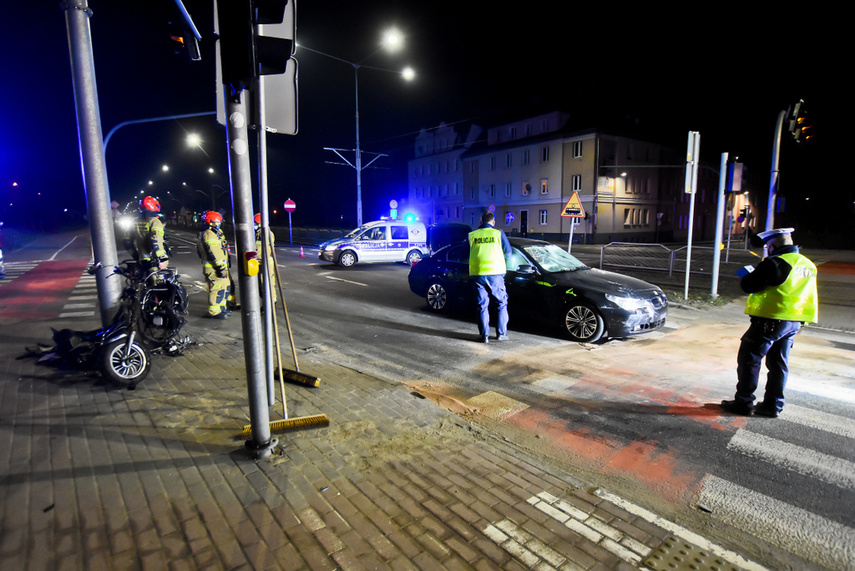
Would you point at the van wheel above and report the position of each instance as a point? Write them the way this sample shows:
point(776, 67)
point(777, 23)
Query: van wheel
point(347, 259)
point(414, 257)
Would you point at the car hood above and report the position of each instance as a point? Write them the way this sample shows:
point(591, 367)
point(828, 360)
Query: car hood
point(602, 280)
point(334, 242)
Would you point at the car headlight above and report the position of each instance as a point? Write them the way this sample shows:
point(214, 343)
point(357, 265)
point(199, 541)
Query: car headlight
point(629, 303)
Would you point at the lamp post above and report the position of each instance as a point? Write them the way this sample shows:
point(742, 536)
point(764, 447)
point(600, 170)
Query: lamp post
point(392, 41)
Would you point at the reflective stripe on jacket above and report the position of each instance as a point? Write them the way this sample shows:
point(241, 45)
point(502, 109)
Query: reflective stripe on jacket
point(149, 239)
point(486, 257)
point(793, 300)
point(211, 247)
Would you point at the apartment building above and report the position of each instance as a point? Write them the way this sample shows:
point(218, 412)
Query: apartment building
point(526, 171)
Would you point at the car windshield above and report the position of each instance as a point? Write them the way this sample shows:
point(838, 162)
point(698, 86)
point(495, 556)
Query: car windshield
point(552, 258)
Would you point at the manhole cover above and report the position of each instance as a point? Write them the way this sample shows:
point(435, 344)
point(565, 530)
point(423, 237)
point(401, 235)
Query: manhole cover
point(676, 554)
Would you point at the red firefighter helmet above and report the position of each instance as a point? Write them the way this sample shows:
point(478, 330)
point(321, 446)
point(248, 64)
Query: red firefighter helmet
point(212, 218)
point(150, 203)
point(257, 218)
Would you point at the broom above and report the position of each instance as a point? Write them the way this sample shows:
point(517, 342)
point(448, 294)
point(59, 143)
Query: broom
point(294, 376)
point(302, 422)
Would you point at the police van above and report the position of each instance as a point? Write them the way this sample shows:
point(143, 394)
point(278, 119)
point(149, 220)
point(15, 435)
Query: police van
point(379, 241)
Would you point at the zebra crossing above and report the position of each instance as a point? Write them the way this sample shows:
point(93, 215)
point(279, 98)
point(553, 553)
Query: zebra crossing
point(83, 301)
point(803, 449)
point(15, 270)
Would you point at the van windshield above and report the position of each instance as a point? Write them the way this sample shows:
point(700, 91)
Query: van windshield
point(356, 231)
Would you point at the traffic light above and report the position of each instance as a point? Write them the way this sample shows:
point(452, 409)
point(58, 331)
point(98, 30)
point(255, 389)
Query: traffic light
point(183, 32)
point(800, 127)
point(256, 37)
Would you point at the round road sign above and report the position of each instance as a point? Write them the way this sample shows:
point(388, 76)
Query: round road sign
point(290, 205)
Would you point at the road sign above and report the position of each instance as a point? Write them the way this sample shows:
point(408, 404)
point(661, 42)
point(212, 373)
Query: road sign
point(573, 208)
point(290, 206)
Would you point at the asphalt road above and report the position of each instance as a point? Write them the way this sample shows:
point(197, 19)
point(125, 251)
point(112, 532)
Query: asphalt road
point(640, 414)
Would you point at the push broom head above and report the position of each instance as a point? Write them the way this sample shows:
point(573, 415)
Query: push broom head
point(298, 378)
point(293, 424)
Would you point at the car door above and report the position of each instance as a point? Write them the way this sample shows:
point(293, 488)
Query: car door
point(399, 242)
point(525, 285)
point(372, 244)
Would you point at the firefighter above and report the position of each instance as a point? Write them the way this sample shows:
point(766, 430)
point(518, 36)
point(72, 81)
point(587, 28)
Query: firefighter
point(148, 240)
point(213, 251)
point(271, 264)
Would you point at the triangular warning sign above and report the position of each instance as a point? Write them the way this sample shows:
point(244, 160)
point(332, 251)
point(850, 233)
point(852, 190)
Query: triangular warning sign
point(573, 208)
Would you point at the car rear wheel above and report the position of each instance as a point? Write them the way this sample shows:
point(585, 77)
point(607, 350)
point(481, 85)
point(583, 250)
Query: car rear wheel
point(347, 259)
point(581, 322)
point(436, 296)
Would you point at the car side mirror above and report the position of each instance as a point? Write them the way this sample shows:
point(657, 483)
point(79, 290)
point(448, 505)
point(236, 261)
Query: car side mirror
point(526, 270)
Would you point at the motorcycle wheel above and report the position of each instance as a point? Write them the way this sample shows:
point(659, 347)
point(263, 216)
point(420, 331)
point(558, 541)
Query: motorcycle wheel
point(122, 367)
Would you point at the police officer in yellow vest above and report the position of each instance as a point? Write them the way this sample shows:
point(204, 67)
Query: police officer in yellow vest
point(782, 298)
point(488, 251)
point(149, 238)
point(213, 251)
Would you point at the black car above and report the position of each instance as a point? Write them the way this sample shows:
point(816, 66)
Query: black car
point(546, 282)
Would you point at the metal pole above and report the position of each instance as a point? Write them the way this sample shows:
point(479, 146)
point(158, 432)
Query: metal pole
point(358, 151)
point(773, 178)
point(261, 443)
point(693, 163)
point(265, 239)
point(719, 221)
point(92, 161)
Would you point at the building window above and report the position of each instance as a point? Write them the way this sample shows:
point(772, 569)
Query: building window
point(543, 217)
point(526, 189)
point(508, 189)
point(577, 150)
point(526, 156)
point(544, 186)
point(577, 182)
point(492, 163)
point(491, 190)
point(544, 154)
point(510, 160)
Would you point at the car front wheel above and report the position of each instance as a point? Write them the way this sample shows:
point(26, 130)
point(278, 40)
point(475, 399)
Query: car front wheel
point(581, 322)
point(347, 259)
point(436, 296)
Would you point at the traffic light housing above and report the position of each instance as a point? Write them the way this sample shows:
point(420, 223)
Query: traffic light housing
point(799, 126)
point(256, 37)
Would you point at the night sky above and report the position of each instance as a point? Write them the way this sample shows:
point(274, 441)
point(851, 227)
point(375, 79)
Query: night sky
point(653, 73)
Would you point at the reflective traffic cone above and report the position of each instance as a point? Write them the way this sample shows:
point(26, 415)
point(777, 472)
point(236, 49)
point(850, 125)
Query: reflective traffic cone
point(302, 255)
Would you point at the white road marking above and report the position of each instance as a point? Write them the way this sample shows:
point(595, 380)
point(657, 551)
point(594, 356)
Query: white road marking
point(681, 532)
point(798, 531)
point(55, 254)
point(820, 390)
point(834, 424)
point(346, 281)
point(76, 314)
point(796, 458)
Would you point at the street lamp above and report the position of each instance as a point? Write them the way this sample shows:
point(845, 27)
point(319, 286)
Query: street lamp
point(392, 41)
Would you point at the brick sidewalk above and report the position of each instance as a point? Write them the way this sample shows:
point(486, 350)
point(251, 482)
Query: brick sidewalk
point(156, 478)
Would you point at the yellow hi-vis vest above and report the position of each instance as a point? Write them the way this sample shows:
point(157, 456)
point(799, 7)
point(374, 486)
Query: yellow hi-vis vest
point(486, 257)
point(793, 300)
